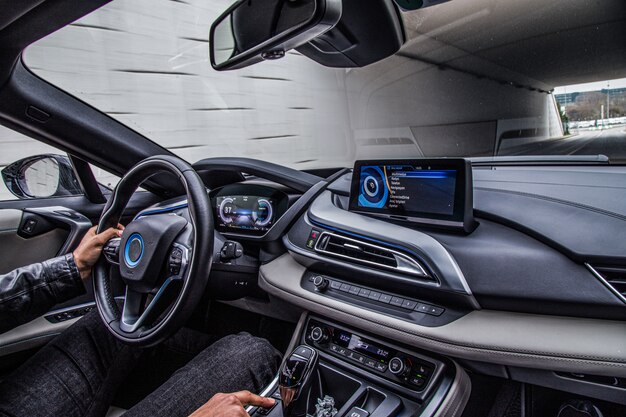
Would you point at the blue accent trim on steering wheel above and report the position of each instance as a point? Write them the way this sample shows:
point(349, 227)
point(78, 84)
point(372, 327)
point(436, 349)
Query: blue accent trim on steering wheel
point(131, 239)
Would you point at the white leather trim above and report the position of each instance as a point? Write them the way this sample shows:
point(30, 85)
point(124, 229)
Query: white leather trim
point(10, 219)
point(456, 400)
point(528, 340)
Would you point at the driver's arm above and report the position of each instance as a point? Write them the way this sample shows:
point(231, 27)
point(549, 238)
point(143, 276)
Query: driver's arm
point(30, 291)
point(232, 405)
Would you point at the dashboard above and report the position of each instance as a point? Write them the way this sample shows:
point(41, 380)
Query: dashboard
point(247, 209)
point(534, 285)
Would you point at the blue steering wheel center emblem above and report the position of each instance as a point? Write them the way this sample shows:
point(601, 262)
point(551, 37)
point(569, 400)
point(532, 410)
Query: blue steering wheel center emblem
point(133, 251)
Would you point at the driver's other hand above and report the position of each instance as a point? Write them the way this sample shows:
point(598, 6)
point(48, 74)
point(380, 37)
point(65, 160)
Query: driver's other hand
point(89, 249)
point(232, 405)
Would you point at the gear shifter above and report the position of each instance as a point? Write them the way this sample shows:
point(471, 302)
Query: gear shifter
point(295, 378)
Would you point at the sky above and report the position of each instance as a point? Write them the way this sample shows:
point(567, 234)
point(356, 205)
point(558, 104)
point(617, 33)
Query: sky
point(595, 86)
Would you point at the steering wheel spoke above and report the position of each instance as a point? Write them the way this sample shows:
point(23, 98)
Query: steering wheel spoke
point(140, 309)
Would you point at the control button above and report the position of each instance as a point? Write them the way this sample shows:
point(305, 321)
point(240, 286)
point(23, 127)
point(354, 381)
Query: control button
point(335, 285)
point(423, 370)
point(370, 362)
point(357, 412)
point(397, 366)
point(29, 226)
point(175, 261)
point(428, 309)
point(304, 351)
point(409, 304)
point(396, 301)
point(344, 288)
point(436, 311)
point(374, 295)
point(319, 335)
point(231, 250)
point(356, 357)
point(310, 243)
point(355, 290)
point(417, 381)
point(320, 283)
point(276, 395)
point(364, 293)
point(381, 367)
point(422, 308)
point(385, 298)
point(339, 350)
point(112, 250)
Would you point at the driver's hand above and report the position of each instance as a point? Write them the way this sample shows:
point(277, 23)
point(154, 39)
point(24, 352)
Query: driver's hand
point(89, 249)
point(232, 405)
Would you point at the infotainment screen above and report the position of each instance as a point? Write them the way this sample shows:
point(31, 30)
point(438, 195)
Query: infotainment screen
point(429, 191)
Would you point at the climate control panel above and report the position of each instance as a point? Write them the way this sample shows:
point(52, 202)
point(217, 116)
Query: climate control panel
point(395, 364)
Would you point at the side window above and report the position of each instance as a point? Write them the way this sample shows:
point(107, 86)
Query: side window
point(104, 178)
point(32, 169)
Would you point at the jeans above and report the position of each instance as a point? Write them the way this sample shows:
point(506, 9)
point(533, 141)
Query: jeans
point(78, 373)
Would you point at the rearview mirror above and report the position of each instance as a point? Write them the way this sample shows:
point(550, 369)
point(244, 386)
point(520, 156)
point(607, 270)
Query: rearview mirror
point(41, 176)
point(253, 30)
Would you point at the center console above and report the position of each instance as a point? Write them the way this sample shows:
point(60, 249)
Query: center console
point(361, 375)
point(394, 365)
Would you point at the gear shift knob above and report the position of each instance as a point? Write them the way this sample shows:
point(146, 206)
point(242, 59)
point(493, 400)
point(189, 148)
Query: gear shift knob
point(295, 378)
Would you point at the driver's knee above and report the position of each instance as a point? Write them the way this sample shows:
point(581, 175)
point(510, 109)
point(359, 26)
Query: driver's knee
point(245, 362)
point(253, 347)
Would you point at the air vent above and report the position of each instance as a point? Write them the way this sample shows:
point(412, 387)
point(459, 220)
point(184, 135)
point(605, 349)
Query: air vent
point(613, 277)
point(365, 253)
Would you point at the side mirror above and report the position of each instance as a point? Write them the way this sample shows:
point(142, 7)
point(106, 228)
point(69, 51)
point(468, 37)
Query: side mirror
point(253, 30)
point(41, 176)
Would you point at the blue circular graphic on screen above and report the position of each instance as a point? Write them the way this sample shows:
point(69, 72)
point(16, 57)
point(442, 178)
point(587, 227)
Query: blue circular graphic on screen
point(373, 191)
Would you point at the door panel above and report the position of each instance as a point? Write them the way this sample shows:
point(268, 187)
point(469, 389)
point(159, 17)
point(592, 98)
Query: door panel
point(19, 249)
point(61, 223)
point(34, 235)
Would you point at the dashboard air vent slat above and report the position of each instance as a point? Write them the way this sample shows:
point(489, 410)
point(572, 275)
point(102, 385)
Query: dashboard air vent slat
point(612, 276)
point(366, 253)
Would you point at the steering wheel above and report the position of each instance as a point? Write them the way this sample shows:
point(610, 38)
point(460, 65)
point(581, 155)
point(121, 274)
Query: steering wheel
point(164, 259)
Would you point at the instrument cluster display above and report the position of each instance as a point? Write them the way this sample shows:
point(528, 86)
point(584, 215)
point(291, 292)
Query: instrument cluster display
point(242, 213)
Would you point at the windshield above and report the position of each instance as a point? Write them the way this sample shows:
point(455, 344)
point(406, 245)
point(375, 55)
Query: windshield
point(475, 78)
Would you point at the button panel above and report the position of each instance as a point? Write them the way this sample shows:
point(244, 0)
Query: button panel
point(391, 363)
point(404, 304)
point(69, 314)
point(313, 235)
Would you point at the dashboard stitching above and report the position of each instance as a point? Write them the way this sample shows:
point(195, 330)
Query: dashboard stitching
point(612, 362)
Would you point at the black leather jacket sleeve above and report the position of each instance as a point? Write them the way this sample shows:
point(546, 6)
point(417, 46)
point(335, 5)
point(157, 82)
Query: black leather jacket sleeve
point(29, 292)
